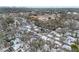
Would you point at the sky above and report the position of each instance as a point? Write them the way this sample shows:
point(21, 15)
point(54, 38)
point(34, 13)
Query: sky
point(39, 3)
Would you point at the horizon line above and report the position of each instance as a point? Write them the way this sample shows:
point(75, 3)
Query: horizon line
point(41, 6)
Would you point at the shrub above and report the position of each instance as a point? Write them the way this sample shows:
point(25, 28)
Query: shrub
point(37, 43)
point(75, 48)
point(9, 20)
point(2, 37)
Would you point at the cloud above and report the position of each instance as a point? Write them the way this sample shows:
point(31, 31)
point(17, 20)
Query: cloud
point(40, 3)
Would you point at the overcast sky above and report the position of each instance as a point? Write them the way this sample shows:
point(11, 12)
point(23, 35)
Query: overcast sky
point(40, 3)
